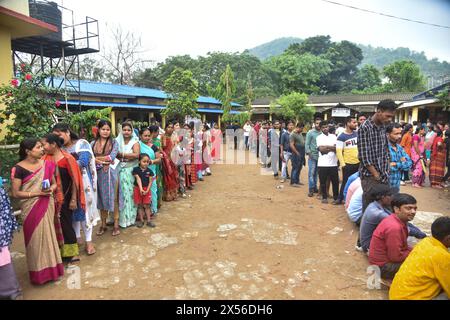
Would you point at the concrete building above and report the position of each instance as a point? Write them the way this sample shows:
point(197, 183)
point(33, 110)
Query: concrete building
point(138, 104)
point(424, 106)
point(329, 106)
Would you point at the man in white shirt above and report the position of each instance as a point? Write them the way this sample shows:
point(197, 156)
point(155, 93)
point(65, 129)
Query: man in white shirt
point(327, 163)
point(339, 129)
point(247, 128)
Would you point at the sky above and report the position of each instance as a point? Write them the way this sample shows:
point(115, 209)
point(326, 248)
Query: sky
point(195, 27)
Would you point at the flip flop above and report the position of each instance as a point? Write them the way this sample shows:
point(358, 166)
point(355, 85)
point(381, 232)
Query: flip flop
point(101, 231)
point(116, 232)
point(91, 252)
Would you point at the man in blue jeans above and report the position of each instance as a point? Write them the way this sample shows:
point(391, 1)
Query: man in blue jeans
point(313, 156)
point(297, 145)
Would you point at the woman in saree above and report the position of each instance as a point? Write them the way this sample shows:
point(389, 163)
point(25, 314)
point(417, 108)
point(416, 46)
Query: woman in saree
point(206, 150)
point(216, 140)
point(417, 157)
point(82, 152)
point(38, 211)
point(170, 172)
point(128, 155)
point(156, 141)
point(69, 192)
point(152, 151)
point(188, 142)
point(437, 166)
point(406, 144)
point(9, 285)
point(105, 150)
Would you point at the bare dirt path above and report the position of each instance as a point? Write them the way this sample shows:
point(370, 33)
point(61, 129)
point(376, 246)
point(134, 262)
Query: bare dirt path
point(236, 237)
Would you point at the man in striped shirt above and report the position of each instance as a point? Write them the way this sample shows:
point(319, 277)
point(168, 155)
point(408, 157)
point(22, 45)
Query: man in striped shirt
point(373, 148)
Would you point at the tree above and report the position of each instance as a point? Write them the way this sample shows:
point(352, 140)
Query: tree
point(404, 76)
point(182, 92)
point(226, 89)
point(299, 72)
point(293, 106)
point(345, 58)
point(250, 94)
point(317, 45)
point(444, 97)
point(30, 106)
point(366, 78)
point(91, 69)
point(123, 58)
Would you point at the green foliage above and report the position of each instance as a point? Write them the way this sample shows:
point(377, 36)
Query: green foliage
point(345, 58)
point(8, 159)
point(444, 97)
point(30, 106)
point(182, 91)
point(380, 57)
point(315, 45)
point(293, 106)
point(300, 73)
point(225, 89)
point(368, 77)
point(82, 122)
point(273, 48)
point(404, 76)
point(208, 69)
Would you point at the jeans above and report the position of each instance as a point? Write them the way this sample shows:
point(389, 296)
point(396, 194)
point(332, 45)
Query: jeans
point(405, 175)
point(347, 171)
point(286, 156)
point(312, 174)
point(324, 174)
point(297, 163)
point(275, 160)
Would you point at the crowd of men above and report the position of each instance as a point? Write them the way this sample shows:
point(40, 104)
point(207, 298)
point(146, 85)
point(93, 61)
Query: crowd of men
point(375, 156)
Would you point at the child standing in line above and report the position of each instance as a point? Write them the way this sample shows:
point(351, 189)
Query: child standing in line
point(142, 193)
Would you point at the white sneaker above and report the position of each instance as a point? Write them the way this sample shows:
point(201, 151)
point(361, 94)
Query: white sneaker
point(360, 249)
point(402, 183)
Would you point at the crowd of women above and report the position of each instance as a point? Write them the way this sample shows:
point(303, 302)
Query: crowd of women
point(67, 185)
point(428, 146)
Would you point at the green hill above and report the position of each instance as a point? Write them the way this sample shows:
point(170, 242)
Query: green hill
point(378, 56)
point(273, 48)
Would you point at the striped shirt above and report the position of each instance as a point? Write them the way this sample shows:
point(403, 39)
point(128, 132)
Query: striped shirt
point(373, 149)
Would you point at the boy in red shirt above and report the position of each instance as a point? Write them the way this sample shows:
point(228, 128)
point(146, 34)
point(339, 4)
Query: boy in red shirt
point(389, 245)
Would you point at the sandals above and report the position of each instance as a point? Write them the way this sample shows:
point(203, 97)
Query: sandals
point(139, 224)
point(73, 261)
point(101, 231)
point(115, 232)
point(90, 251)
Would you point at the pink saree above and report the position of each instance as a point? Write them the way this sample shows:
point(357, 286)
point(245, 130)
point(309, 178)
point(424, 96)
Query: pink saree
point(42, 250)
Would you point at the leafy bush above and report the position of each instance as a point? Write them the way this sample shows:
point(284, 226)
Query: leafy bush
point(82, 122)
point(31, 108)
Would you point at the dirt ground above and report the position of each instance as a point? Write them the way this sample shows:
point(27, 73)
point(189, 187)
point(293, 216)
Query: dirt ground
point(238, 236)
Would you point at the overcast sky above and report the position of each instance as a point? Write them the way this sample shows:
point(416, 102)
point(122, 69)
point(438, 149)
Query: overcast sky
point(175, 27)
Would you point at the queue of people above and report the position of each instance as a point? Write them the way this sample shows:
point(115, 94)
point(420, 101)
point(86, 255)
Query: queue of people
point(375, 157)
point(67, 186)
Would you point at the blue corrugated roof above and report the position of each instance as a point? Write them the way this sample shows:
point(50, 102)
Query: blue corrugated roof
point(134, 105)
point(113, 104)
point(105, 88)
